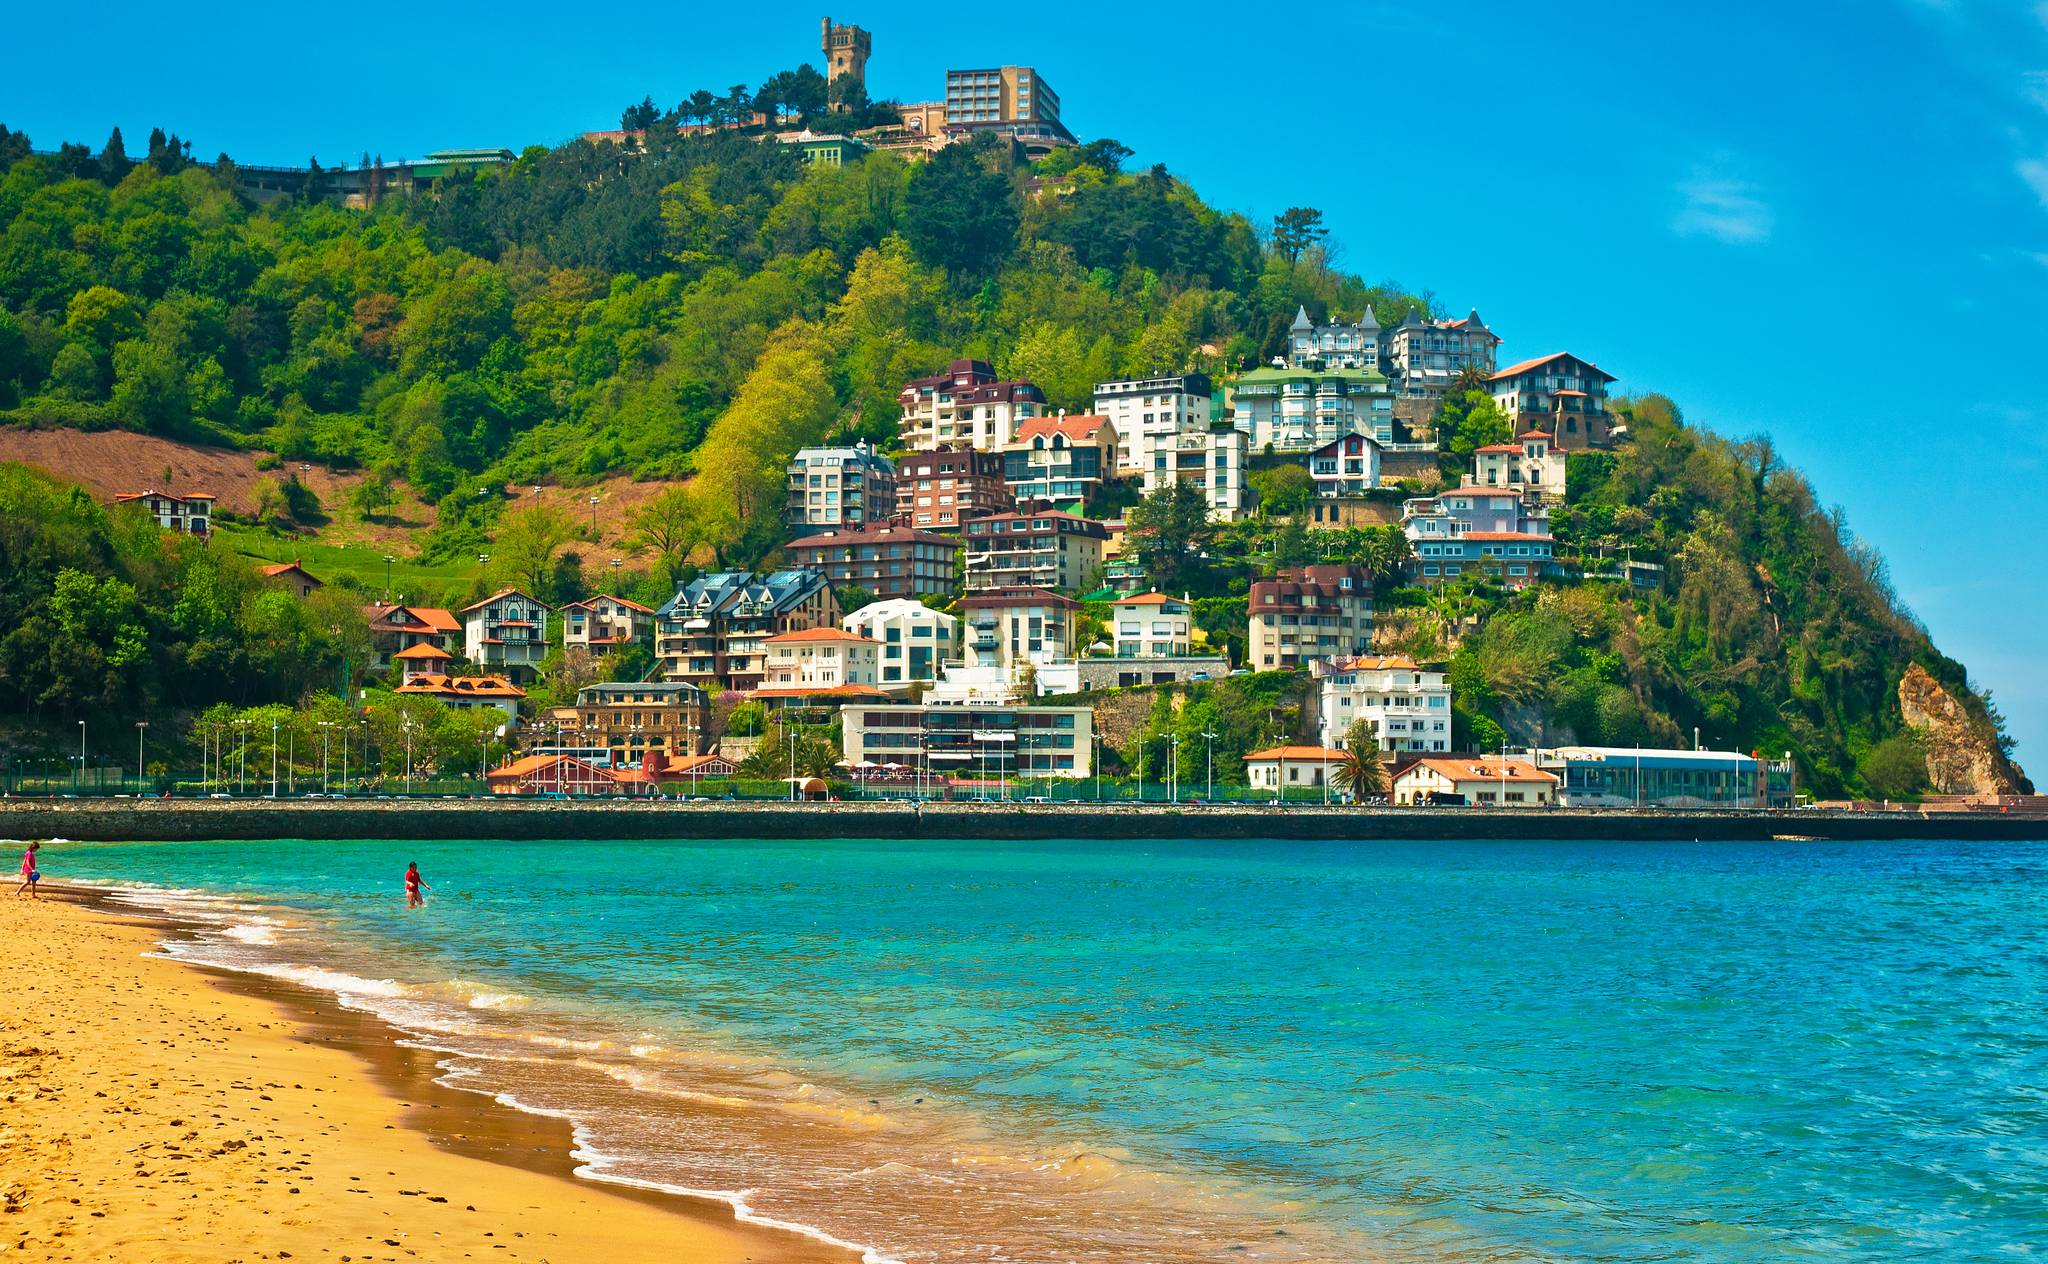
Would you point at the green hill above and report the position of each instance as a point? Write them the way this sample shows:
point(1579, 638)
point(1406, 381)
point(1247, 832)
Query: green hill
point(698, 309)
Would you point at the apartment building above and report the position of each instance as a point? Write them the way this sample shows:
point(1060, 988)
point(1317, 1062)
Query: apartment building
point(971, 742)
point(1044, 548)
point(1060, 460)
point(629, 719)
point(914, 640)
point(1423, 357)
point(840, 487)
point(966, 405)
point(1211, 459)
point(1009, 628)
point(1299, 409)
point(1335, 345)
point(506, 632)
point(1493, 530)
point(1011, 101)
point(941, 489)
point(1152, 625)
point(604, 623)
point(817, 660)
point(714, 630)
point(1149, 411)
point(1560, 394)
point(1306, 613)
point(1407, 705)
point(191, 513)
point(887, 560)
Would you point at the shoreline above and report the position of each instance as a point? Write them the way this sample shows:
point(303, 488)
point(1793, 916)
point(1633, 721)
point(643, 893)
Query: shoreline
point(240, 1091)
point(176, 820)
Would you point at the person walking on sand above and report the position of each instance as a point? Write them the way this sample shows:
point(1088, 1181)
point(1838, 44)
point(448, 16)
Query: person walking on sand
point(415, 887)
point(30, 875)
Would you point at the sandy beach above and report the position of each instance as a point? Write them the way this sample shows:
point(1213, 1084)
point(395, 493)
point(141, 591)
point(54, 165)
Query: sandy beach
point(158, 1111)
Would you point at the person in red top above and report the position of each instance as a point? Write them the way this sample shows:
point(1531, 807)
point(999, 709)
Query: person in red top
point(30, 875)
point(415, 887)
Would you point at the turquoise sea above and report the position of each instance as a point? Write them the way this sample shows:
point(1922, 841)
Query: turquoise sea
point(1182, 1051)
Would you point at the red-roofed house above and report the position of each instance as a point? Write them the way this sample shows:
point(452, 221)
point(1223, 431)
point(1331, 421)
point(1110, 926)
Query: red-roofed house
point(191, 512)
point(605, 623)
point(817, 659)
point(1480, 779)
point(1061, 460)
point(395, 628)
point(1348, 465)
point(468, 693)
point(566, 774)
point(1560, 394)
point(291, 577)
point(1532, 464)
point(1151, 625)
point(506, 632)
point(422, 659)
point(1292, 767)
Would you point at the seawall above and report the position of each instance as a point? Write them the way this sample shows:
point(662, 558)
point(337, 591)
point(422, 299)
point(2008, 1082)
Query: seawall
point(178, 820)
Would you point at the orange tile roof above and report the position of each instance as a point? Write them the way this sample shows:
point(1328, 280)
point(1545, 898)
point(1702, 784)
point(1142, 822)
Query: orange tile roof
point(1516, 370)
point(1533, 433)
point(1483, 769)
point(1502, 447)
point(830, 691)
point(1317, 753)
point(819, 635)
point(467, 686)
point(1079, 427)
point(425, 649)
point(1144, 599)
point(1376, 662)
point(435, 618)
point(282, 567)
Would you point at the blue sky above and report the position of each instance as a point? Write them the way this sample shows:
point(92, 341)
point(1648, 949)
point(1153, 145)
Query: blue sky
point(1824, 221)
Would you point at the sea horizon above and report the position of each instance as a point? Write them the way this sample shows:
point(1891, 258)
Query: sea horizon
point(1165, 1050)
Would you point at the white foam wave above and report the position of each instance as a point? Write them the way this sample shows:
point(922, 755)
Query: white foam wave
point(322, 979)
point(499, 1000)
point(737, 1200)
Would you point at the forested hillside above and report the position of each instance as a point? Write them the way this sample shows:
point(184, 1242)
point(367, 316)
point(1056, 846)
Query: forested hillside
point(700, 308)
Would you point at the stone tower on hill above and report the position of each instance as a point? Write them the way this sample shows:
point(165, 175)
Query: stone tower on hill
point(846, 54)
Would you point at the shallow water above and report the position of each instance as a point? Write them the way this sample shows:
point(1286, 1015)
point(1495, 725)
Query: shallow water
point(1193, 1051)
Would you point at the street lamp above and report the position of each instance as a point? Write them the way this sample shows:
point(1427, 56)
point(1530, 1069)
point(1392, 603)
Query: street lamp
point(273, 759)
point(387, 577)
point(139, 726)
point(1096, 737)
point(81, 755)
point(326, 731)
point(1173, 771)
point(593, 517)
point(1209, 786)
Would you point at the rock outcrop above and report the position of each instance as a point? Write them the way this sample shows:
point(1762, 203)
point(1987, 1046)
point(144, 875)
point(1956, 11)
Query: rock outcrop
point(1962, 752)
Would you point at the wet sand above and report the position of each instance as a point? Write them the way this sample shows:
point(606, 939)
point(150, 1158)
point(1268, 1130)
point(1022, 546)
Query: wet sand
point(159, 1111)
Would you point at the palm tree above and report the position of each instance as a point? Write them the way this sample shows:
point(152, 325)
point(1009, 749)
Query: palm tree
point(1360, 773)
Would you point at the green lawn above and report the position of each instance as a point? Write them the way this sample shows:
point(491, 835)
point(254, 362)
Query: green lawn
point(420, 583)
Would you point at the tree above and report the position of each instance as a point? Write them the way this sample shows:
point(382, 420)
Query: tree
point(663, 525)
point(1283, 490)
point(1896, 768)
point(1361, 773)
point(960, 214)
point(114, 162)
point(526, 546)
point(1296, 229)
point(639, 118)
point(374, 496)
point(1168, 529)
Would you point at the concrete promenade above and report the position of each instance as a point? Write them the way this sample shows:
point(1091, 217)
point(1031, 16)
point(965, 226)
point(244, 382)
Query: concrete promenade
point(185, 819)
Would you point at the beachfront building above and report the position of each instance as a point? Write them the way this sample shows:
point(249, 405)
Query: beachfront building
point(563, 774)
point(914, 640)
point(1346, 466)
point(469, 693)
point(1061, 461)
point(965, 405)
point(605, 624)
point(1335, 345)
point(1283, 768)
point(840, 487)
point(1044, 548)
point(1152, 625)
point(1531, 463)
point(396, 628)
point(1559, 394)
point(820, 658)
point(1291, 408)
point(889, 560)
point(939, 490)
point(714, 630)
point(1305, 613)
point(293, 578)
point(1149, 411)
point(1423, 357)
point(1474, 780)
point(1491, 530)
point(629, 719)
point(191, 513)
point(1406, 705)
point(970, 742)
point(506, 632)
point(1628, 776)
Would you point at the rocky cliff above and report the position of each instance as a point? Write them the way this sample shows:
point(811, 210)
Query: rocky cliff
point(1962, 753)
